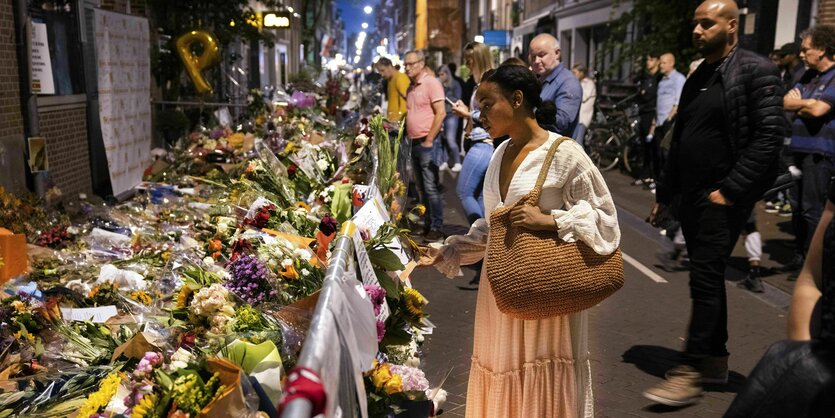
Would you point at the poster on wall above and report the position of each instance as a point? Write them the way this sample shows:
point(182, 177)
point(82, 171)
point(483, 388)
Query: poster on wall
point(42, 82)
point(124, 84)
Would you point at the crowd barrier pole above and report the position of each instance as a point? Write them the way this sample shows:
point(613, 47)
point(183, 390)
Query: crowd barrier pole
point(323, 335)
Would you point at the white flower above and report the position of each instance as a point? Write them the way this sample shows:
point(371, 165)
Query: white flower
point(180, 359)
point(305, 272)
point(302, 253)
point(211, 300)
point(287, 262)
point(322, 164)
point(208, 261)
point(362, 140)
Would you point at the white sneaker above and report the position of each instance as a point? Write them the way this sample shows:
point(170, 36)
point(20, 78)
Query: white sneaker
point(443, 167)
point(456, 168)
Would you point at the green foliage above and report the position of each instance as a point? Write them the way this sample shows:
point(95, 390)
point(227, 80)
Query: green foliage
point(650, 26)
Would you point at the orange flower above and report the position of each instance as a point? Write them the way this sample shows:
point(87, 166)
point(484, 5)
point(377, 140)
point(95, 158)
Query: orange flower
point(290, 272)
point(215, 245)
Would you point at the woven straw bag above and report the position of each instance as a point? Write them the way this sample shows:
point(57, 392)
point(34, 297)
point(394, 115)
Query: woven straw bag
point(537, 275)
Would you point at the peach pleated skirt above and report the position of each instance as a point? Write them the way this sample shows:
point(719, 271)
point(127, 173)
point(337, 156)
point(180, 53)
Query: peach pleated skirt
point(527, 369)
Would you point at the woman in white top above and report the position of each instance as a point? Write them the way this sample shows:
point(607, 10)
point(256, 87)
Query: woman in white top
point(587, 105)
point(523, 368)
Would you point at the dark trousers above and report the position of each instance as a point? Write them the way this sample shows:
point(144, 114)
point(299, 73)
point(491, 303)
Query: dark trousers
point(711, 232)
point(649, 149)
point(428, 182)
point(812, 189)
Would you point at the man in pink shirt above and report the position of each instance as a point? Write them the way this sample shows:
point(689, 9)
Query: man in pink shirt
point(424, 118)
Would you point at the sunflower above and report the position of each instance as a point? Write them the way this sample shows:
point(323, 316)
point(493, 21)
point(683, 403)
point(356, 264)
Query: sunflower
point(182, 296)
point(414, 301)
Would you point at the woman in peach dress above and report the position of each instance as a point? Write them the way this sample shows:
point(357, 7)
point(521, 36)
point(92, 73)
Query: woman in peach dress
point(530, 368)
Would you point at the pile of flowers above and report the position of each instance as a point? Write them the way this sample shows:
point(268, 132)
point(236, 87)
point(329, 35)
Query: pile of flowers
point(141, 309)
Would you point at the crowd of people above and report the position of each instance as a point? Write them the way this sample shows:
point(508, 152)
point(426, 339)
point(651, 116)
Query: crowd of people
point(716, 142)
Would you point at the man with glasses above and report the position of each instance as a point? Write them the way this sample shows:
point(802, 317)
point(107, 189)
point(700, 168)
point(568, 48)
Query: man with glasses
point(424, 118)
point(813, 128)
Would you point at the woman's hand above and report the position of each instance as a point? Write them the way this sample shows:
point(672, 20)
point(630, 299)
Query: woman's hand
point(460, 109)
point(531, 217)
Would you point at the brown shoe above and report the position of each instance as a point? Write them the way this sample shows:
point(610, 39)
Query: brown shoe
point(681, 387)
point(714, 370)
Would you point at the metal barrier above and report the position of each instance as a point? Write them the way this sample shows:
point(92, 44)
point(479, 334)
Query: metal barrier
point(323, 335)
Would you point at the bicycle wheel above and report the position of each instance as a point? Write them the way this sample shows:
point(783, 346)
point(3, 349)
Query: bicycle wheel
point(633, 158)
point(604, 148)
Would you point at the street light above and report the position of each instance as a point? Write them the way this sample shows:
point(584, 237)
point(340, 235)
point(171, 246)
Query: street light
point(368, 10)
point(364, 25)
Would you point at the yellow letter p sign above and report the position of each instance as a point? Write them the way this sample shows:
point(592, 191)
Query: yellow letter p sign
point(195, 64)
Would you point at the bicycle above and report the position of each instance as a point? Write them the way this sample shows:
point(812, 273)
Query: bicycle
point(611, 136)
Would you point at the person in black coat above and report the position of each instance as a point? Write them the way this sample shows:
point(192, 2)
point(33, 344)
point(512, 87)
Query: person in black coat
point(723, 157)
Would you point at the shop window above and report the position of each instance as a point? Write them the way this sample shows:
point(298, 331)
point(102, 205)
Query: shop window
point(62, 31)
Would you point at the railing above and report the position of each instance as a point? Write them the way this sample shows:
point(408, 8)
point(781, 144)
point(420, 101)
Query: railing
point(323, 337)
point(319, 353)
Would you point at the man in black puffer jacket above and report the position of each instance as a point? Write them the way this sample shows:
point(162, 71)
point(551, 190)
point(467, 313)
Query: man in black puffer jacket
point(724, 155)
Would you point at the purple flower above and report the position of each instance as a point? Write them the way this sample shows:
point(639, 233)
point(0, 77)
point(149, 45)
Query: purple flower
point(381, 330)
point(250, 280)
point(217, 133)
point(377, 295)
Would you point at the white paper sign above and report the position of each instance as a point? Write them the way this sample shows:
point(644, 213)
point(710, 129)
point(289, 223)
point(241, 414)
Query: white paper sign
point(98, 315)
point(123, 62)
point(42, 82)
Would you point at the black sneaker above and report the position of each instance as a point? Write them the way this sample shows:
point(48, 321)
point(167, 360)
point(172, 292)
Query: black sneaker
point(434, 236)
point(753, 284)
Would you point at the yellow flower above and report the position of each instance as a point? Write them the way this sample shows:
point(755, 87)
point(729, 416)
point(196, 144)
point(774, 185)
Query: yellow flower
point(303, 205)
point(414, 301)
point(291, 146)
point(166, 255)
point(20, 335)
point(182, 296)
point(19, 306)
point(420, 210)
point(236, 140)
point(394, 385)
point(141, 296)
point(145, 406)
point(380, 375)
point(100, 398)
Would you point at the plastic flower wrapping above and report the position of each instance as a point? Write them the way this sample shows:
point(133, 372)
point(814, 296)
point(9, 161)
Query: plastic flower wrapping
point(194, 297)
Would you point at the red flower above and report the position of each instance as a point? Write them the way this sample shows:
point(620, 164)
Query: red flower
point(262, 217)
point(239, 248)
point(328, 225)
point(291, 171)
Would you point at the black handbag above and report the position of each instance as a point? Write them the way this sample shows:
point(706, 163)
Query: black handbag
point(793, 379)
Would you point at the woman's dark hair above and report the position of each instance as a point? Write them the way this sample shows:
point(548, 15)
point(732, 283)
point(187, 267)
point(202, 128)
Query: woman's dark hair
point(510, 78)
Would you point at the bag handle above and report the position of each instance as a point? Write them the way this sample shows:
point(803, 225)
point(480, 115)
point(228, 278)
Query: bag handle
point(549, 158)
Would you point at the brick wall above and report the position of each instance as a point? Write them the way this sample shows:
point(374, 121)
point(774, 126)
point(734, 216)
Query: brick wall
point(67, 150)
point(11, 120)
point(826, 12)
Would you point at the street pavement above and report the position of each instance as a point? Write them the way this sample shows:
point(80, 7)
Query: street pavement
point(634, 335)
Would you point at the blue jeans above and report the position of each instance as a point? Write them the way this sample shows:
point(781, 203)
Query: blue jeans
point(428, 182)
point(471, 180)
point(450, 153)
point(580, 134)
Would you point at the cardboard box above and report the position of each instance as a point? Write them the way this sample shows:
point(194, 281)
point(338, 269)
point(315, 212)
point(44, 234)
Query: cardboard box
point(13, 252)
